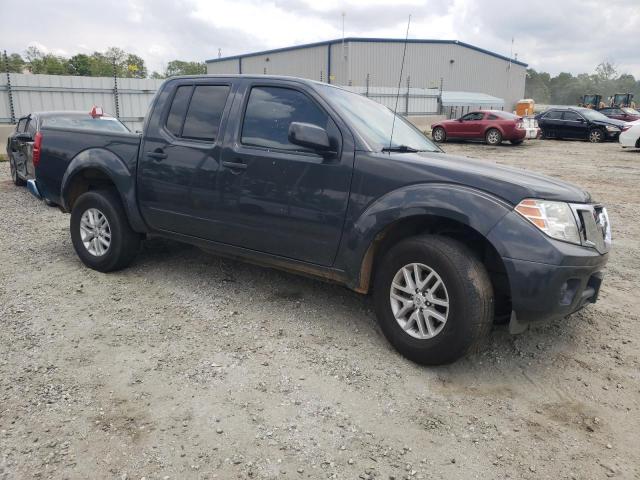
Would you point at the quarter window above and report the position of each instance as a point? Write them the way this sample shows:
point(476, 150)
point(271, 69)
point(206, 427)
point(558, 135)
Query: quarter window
point(197, 115)
point(270, 111)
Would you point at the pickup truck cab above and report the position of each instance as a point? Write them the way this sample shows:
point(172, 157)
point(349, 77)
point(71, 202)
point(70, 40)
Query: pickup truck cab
point(308, 177)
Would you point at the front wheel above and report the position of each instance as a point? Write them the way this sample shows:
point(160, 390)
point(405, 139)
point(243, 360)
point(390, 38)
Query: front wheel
point(100, 231)
point(596, 135)
point(493, 137)
point(433, 299)
point(439, 135)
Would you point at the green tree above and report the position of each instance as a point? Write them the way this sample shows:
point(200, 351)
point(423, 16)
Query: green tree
point(134, 67)
point(606, 71)
point(80, 64)
point(179, 67)
point(15, 63)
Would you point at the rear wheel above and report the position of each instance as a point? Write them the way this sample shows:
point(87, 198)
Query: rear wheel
point(596, 135)
point(439, 135)
point(15, 178)
point(433, 299)
point(100, 231)
point(493, 137)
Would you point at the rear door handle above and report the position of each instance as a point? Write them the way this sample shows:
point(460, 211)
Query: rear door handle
point(157, 155)
point(235, 165)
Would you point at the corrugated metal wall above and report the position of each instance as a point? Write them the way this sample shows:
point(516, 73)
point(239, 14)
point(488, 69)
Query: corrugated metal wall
point(425, 64)
point(32, 93)
point(224, 67)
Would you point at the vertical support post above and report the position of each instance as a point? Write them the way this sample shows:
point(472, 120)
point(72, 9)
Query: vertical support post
point(440, 99)
point(12, 111)
point(366, 94)
point(406, 107)
point(329, 63)
point(115, 88)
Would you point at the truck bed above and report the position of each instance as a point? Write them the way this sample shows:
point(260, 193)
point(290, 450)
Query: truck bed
point(61, 146)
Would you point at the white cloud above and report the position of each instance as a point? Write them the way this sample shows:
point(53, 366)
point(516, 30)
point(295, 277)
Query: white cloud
point(572, 35)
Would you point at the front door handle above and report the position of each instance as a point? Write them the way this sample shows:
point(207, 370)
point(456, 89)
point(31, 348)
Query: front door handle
point(235, 165)
point(157, 154)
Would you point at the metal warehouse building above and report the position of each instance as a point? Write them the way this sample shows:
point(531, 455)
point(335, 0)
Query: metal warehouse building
point(375, 62)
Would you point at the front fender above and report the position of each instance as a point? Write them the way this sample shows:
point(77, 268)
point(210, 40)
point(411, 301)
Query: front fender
point(115, 169)
point(473, 208)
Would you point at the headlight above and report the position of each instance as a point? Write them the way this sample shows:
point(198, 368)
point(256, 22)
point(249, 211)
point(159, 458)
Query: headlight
point(611, 128)
point(553, 218)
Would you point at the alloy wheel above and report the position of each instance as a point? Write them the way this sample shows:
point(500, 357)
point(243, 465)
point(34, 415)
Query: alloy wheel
point(419, 301)
point(95, 232)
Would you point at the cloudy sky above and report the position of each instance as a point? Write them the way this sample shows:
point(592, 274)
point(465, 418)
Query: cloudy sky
point(554, 36)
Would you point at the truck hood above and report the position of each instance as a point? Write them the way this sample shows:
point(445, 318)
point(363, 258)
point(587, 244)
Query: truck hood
point(510, 184)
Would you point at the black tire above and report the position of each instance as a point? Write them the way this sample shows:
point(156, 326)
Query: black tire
point(439, 135)
point(470, 295)
point(493, 136)
point(15, 178)
point(516, 142)
point(124, 244)
point(596, 135)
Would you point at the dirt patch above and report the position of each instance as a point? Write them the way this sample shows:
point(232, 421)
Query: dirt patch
point(187, 365)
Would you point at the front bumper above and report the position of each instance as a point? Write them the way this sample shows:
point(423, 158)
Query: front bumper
point(547, 278)
point(540, 291)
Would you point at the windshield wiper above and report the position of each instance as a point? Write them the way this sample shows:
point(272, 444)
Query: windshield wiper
point(402, 149)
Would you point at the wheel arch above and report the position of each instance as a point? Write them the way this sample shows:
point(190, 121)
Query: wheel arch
point(99, 168)
point(461, 213)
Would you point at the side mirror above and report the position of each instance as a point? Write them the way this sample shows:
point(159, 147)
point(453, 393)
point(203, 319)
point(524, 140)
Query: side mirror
point(24, 137)
point(310, 136)
point(460, 120)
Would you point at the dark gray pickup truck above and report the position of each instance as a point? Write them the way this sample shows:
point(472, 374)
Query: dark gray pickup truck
point(307, 177)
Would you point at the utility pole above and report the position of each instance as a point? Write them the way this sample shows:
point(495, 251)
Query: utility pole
point(9, 92)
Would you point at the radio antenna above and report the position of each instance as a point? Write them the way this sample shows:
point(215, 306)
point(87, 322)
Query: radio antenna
point(404, 52)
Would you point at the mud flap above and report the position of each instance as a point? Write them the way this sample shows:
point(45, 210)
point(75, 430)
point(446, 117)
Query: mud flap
point(515, 326)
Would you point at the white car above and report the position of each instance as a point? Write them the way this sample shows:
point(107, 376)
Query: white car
point(630, 136)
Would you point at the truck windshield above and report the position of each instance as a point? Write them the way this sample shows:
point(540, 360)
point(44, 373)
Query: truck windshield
point(374, 121)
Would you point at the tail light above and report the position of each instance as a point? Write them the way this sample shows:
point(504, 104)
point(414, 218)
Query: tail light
point(520, 125)
point(37, 146)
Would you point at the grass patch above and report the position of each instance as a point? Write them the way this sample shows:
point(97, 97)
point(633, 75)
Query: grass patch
point(3, 157)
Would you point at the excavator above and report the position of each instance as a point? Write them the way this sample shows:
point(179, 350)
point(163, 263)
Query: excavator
point(618, 100)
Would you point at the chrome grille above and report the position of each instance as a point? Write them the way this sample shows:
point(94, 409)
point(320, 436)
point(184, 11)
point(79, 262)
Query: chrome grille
point(595, 229)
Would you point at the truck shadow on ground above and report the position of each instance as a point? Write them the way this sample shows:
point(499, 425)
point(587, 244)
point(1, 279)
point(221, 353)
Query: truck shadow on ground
point(542, 343)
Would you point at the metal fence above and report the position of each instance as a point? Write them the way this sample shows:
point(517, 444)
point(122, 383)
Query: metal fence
point(126, 98)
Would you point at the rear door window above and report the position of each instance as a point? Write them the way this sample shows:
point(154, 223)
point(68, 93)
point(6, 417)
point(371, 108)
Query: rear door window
point(196, 112)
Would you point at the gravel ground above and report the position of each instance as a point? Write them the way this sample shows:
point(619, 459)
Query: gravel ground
point(187, 365)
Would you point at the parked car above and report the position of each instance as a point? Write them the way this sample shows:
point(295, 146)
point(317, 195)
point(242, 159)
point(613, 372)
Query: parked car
point(492, 126)
point(24, 145)
point(578, 123)
point(626, 114)
point(630, 136)
point(306, 177)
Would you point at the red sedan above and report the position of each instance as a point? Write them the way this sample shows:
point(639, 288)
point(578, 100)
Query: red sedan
point(492, 126)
